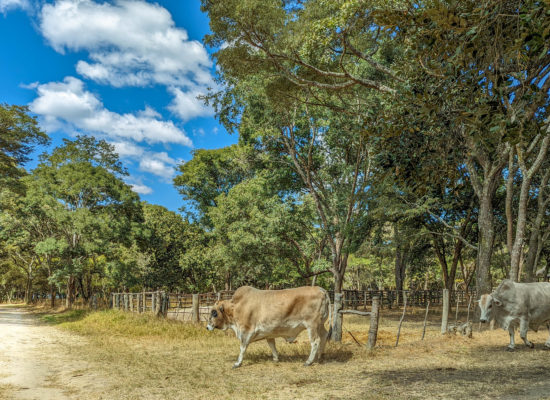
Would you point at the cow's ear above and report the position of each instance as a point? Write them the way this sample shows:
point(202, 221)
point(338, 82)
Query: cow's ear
point(497, 302)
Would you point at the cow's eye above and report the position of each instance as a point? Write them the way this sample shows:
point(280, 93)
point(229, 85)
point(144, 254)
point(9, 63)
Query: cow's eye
point(214, 313)
point(490, 305)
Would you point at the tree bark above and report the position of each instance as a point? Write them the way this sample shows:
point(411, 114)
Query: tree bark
point(527, 174)
point(485, 245)
point(71, 289)
point(400, 260)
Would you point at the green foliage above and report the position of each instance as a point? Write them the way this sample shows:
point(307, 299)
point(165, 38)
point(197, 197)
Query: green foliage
point(91, 207)
point(19, 133)
point(210, 173)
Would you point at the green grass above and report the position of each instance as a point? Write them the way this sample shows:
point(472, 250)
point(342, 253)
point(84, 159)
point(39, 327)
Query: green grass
point(64, 317)
point(117, 323)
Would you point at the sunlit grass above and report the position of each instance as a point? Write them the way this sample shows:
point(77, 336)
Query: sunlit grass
point(154, 358)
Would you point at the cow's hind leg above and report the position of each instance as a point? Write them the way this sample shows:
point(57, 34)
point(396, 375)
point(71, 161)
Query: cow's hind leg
point(323, 334)
point(315, 341)
point(523, 327)
point(271, 343)
point(547, 343)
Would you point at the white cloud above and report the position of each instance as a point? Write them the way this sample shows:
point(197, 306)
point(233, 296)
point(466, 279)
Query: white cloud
point(67, 104)
point(186, 105)
point(6, 5)
point(141, 189)
point(159, 164)
point(130, 43)
point(128, 149)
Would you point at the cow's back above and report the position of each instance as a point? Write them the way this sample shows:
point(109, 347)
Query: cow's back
point(531, 300)
point(283, 308)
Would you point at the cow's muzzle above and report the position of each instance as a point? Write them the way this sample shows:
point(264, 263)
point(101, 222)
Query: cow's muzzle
point(483, 320)
point(209, 327)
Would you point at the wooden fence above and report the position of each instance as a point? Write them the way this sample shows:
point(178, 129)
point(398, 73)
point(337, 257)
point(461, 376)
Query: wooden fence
point(195, 307)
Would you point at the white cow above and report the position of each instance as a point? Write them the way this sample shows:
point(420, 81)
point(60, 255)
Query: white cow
point(513, 304)
point(267, 314)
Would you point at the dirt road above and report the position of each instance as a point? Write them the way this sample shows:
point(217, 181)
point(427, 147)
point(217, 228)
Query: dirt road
point(40, 362)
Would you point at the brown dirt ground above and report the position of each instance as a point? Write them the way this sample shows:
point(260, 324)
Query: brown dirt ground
point(197, 365)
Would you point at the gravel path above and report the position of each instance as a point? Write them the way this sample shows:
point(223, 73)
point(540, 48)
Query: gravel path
point(40, 362)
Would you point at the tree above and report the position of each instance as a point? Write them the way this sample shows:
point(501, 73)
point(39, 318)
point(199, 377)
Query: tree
point(480, 72)
point(95, 208)
point(264, 239)
point(165, 245)
point(19, 133)
point(210, 173)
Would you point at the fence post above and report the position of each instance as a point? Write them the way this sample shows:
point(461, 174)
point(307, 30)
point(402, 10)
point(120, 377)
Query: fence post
point(114, 300)
point(445, 314)
point(165, 303)
point(125, 301)
point(373, 330)
point(337, 325)
point(195, 317)
point(158, 302)
point(218, 296)
point(144, 301)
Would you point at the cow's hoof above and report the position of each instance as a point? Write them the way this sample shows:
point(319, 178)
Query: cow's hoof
point(546, 346)
point(235, 366)
point(275, 360)
point(510, 349)
point(306, 364)
point(531, 345)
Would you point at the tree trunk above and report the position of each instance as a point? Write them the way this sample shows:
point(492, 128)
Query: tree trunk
point(53, 292)
point(339, 269)
point(227, 280)
point(28, 289)
point(527, 175)
point(485, 244)
point(485, 185)
point(401, 256)
point(71, 291)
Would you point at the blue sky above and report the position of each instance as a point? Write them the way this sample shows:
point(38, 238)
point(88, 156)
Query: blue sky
point(124, 71)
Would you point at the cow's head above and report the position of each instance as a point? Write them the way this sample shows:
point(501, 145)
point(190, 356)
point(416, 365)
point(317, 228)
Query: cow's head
point(219, 316)
point(487, 304)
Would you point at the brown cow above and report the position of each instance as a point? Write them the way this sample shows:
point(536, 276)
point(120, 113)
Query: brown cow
point(267, 314)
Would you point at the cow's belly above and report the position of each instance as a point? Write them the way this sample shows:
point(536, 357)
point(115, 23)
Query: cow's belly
point(508, 321)
point(287, 331)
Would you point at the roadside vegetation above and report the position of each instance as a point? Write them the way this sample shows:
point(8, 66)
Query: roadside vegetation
point(156, 358)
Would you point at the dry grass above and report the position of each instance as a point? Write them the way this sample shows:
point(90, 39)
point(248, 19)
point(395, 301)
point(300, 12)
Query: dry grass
point(150, 358)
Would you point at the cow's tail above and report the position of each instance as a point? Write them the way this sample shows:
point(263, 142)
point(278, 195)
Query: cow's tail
point(327, 298)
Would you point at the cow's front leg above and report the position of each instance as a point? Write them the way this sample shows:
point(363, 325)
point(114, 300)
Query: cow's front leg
point(244, 344)
point(512, 345)
point(523, 327)
point(271, 343)
point(315, 341)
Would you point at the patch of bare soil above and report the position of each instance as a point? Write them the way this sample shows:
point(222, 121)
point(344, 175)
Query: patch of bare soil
point(40, 362)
